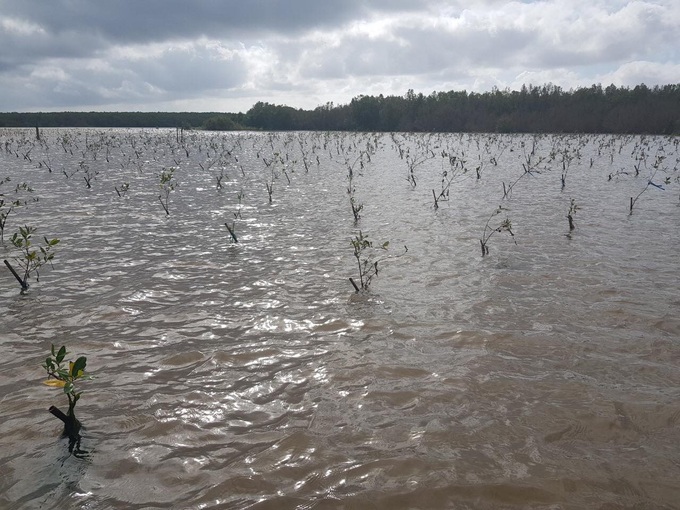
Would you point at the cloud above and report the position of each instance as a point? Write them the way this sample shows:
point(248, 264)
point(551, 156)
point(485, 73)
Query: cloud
point(638, 72)
point(133, 21)
point(160, 54)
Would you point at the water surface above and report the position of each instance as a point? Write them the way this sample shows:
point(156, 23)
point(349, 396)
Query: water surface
point(250, 375)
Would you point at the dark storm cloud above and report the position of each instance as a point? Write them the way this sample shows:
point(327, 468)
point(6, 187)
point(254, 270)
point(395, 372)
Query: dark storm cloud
point(20, 48)
point(151, 20)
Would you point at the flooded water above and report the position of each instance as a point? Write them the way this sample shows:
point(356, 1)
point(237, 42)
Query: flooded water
point(545, 374)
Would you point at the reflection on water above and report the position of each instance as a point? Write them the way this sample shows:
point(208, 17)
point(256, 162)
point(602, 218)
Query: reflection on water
point(248, 375)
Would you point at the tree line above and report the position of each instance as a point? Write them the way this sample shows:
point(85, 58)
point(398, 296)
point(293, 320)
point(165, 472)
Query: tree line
point(548, 108)
point(185, 120)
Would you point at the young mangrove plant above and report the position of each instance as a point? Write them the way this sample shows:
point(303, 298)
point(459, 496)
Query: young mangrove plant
point(219, 178)
point(367, 260)
point(413, 163)
point(270, 190)
point(123, 189)
point(505, 225)
point(566, 162)
point(60, 376)
point(232, 230)
point(351, 172)
point(530, 168)
point(448, 176)
point(168, 184)
point(239, 196)
point(89, 175)
point(9, 204)
point(356, 208)
point(30, 259)
point(570, 215)
point(650, 182)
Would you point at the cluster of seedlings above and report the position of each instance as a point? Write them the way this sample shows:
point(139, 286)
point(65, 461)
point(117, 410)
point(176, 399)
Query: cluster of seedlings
point(168, 155)
point(162, 159)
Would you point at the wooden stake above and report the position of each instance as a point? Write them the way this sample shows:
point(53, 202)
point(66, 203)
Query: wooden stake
point(354, 284)
point(167, 213)
point(231, 231)
point(24, 285)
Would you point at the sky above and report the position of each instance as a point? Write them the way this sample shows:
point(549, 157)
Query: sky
point(226, 55)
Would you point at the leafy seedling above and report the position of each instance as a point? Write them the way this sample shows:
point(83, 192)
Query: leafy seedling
point(30, 259)
point(65, 377)
point(505, 225)
point(168, 184)
point(367, 260)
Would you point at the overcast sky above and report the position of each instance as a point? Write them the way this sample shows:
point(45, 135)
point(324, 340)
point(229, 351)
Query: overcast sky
point(225, 55)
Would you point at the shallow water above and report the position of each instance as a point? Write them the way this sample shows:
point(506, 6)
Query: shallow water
point(250, 375)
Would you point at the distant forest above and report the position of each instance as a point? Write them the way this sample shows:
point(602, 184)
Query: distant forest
point(545, 109)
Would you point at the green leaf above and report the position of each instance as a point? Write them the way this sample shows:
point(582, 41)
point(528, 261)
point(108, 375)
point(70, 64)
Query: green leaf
point(61, 354)
point(78, 368)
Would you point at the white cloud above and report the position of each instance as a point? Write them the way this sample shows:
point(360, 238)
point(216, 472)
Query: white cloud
point(20, 27)
point(181, 58)
point(638, 72)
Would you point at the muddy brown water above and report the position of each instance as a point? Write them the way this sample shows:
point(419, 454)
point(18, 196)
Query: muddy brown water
point(543, 375)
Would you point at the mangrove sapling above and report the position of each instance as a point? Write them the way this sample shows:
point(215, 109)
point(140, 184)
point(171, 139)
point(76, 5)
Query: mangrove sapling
point(351, 172)
point(231, 230)
point(270, 190)
point(570, 215)
point(123, 189)
point(413, 163)
point(30, 260)
point(89, 175)
point(239, 196)
point(167, 184)
point(58, 376)
point(46, 162)
point(367, 261)
point(494, 159)
point(286, 173)
point(505, 225)
point(356, 208)
point(447, 179)
point(529, 167)
point(650, 182)
point(27, 155)
point(7, 205)
point(219, 179)
point(641, 159)
point(566, 162)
